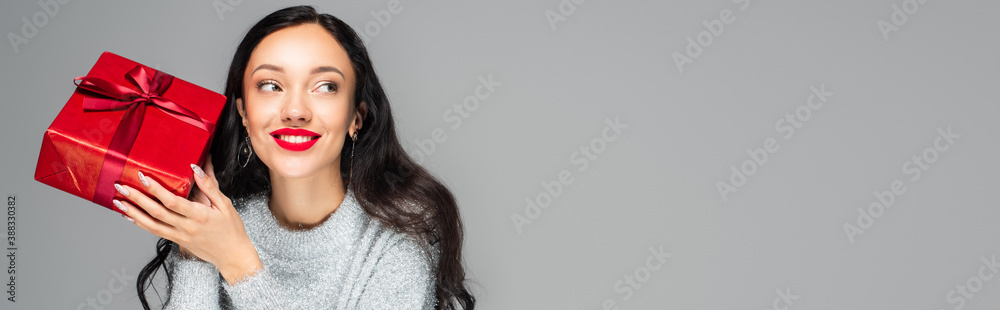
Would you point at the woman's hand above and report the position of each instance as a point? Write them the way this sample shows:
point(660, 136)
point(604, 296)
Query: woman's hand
point(207, 226)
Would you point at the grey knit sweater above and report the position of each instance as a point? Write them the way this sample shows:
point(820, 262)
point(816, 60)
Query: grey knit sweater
point(350, 261)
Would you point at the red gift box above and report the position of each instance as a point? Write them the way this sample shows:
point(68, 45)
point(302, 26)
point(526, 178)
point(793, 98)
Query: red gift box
point(125, 117)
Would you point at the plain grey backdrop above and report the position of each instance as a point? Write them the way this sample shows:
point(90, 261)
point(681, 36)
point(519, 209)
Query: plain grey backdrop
point(819, 105)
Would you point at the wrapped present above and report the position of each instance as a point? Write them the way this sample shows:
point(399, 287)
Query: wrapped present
point(122, 118)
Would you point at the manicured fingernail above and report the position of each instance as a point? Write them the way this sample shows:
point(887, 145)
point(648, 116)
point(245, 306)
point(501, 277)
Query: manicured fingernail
point(121, 189)
point(120, 205)
point(129, 218)
point(142, 178)
point(198, 171)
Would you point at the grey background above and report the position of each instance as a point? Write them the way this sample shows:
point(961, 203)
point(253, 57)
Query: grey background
point(653, 186)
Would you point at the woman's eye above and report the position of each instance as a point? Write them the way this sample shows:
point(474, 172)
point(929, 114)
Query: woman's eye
point(268, 86)
point(327, 87)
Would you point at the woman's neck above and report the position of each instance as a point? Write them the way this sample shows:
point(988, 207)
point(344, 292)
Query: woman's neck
point(307, 202)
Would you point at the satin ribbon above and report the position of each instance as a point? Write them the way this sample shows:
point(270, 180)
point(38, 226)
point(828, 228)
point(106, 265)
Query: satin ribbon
point(117, 97)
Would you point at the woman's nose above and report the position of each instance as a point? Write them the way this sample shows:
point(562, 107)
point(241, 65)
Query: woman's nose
point(295, 110)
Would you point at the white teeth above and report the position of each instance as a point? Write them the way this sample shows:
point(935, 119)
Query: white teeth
point(294, 139)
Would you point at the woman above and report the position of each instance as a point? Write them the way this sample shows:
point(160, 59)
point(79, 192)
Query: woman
point(303, 230)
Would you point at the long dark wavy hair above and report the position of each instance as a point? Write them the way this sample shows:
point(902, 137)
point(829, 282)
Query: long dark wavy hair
point(390, 186)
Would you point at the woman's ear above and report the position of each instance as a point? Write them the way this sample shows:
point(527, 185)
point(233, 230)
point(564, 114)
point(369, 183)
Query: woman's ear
point(359, 115)
point(242, 110)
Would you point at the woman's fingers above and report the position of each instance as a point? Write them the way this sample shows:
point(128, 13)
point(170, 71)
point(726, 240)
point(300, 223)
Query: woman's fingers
point(169, 209)
point(145, 221)
point(210, 187)
point(197, 196)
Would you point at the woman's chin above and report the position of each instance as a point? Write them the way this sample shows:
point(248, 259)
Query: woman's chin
point(297, 169)
point(293, 169)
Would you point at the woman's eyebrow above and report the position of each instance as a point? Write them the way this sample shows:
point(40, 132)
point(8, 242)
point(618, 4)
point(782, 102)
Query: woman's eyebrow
point(268, 67)
point(327, 69)
point(316, 70)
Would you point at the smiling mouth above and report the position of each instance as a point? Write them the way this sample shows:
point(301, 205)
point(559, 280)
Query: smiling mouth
point(295, 139)
point(295, 143)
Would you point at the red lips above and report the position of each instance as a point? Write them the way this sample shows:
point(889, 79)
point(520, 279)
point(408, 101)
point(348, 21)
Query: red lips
point(310, 138)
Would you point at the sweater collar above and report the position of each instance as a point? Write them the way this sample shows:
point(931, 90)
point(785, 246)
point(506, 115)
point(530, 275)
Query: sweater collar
point(337, 232)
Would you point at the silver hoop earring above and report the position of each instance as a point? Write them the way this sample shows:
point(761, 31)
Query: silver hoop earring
point(245, 148)
point(350, 177)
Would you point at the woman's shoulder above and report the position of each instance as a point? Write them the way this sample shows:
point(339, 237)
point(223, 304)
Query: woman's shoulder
point(399, 255)
point(398, 272)
point(397, 245)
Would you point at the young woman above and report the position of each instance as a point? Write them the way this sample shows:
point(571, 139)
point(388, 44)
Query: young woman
point(328, 211)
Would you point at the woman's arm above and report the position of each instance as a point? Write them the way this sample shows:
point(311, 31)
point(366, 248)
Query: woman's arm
point(194, 283)
point(207, 227)
point(257, 291)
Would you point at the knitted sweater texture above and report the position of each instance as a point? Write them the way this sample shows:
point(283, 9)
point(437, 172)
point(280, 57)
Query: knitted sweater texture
point(350, 261)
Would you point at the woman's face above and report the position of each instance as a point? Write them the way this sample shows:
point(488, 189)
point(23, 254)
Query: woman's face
point(298, 91)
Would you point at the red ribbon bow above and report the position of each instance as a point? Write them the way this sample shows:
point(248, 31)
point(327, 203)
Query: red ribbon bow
point(118, 97)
